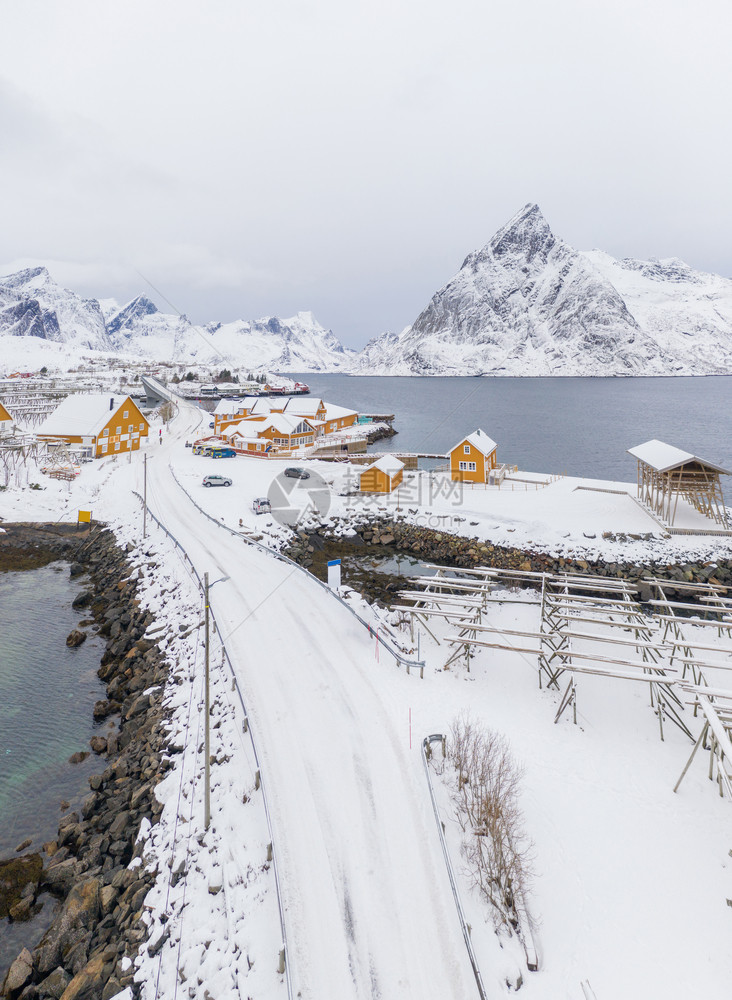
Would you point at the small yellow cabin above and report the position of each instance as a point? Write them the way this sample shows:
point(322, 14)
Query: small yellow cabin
point(6, 419)
point(472, 459)
point(383, 476)
point(98, 424)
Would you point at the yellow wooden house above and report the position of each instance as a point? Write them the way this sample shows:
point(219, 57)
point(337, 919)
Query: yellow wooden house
point(96, 425)
point(6, 420)
point(383, 476)
point(472, 459)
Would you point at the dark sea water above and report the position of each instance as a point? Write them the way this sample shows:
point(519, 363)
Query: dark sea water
point(578, 426)
point(47, 694)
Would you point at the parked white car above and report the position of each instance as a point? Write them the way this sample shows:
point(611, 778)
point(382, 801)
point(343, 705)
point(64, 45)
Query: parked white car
point(261, 506)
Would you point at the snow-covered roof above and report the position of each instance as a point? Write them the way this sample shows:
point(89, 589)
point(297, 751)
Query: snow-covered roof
point(306, 407)
point(663, 457)
point(480, 440)
point(333, 412)
point(224, 407)
point(282, 422)
point(82, 415)
point(388, 464)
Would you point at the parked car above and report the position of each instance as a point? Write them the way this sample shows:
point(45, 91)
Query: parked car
point(294, 472)
point(216, 481)
point(261, 506)
point(212, 424)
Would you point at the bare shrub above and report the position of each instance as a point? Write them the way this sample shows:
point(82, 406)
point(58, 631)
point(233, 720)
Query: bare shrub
point(167, 411)
point(497, 850)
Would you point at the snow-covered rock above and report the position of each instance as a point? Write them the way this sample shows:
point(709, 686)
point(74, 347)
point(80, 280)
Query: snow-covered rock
point(527, 303)
point(32, 304)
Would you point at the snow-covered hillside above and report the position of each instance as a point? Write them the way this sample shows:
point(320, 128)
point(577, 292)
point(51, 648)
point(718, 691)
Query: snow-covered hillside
point(527, 303)
point(33, 305)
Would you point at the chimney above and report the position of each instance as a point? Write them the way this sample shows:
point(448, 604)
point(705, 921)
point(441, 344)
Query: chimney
point(111, 403)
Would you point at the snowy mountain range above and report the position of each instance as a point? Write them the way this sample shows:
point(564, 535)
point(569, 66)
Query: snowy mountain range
point(32, 304)
point(527, 303)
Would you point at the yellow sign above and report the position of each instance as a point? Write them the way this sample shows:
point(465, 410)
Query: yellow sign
point(84, 517)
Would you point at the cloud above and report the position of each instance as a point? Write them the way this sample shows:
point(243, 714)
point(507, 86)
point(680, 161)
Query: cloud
point(261, 159)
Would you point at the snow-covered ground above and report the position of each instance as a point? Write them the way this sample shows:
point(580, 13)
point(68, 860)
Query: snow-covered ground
point(632, 880)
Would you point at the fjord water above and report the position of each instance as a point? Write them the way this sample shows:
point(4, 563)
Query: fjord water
point(578, 426)
point(47, 696)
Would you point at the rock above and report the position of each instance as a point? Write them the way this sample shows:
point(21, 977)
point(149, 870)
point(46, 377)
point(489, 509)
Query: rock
point(107, 897)
point(119, 825)
point(79, 914)
point(78, 757)
point(112, 988)
point(22, 847)
point(104, 708)
point(82, 600)
point(87, 984)
point(23, 910)
point(98, 744)
point(75, 638)
point(19, 973)
point(54, 984)
point(15, 876)
point(59, 878)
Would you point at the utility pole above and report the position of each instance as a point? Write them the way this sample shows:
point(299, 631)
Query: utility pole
point(144, 499)
point(207, 747)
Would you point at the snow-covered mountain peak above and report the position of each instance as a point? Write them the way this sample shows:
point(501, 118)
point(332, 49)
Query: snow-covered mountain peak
point(129, 315)
point(28, 280)
point(528, 303)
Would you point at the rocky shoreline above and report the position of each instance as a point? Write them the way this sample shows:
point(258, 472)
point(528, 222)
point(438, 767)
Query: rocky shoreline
point(313, 547)
point(87, 952)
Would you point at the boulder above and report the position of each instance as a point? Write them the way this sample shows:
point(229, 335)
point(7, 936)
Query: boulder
point(79, 914)
point(75, 638)
point(19, 973)
point(54, 984)
point(15, 876)
point(89, 983)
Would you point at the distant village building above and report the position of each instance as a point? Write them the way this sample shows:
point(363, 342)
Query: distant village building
point(666, 473)
point(383, 476)
point(99, 424)
point(473, 458)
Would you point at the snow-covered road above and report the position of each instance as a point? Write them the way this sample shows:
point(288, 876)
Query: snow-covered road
point(368, 906)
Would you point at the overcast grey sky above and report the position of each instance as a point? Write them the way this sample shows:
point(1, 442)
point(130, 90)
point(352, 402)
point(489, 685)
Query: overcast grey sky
point(260, 158)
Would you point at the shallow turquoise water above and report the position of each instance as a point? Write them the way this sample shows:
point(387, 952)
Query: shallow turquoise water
point(47, 694)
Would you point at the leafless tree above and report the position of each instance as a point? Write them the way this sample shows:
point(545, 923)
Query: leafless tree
point(497, 850)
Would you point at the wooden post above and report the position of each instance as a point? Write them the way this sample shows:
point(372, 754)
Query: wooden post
point(207, 746)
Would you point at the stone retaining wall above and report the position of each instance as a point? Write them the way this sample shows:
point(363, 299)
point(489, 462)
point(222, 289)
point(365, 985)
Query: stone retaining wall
point(459, 551)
